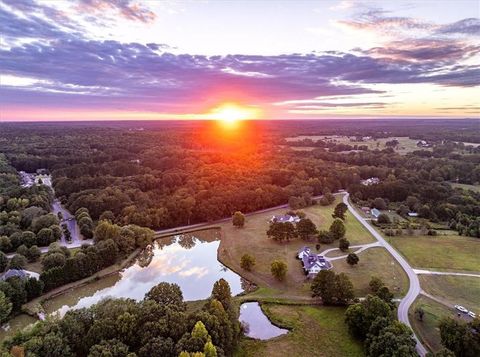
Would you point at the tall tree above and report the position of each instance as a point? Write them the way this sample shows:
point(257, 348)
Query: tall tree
point(278, 269)
point(340, 210)
point(306, 229)
point(238, 219)
point(337, 229)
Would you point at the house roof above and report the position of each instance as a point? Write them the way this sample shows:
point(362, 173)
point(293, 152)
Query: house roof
point(10, 273)
point(375, 212)
point(283, 218)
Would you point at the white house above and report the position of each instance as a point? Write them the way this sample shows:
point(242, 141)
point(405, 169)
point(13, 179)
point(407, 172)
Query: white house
point(285, 218)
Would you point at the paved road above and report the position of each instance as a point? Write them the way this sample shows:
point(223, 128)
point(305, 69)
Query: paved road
point(360, 248)
point(431, 272)
point(413, 290)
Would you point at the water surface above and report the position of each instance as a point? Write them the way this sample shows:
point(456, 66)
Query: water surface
point(256, 324)
point(189, 260)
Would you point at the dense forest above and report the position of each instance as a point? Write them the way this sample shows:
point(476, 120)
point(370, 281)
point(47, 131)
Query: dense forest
point(159, 325)
point(162, 175)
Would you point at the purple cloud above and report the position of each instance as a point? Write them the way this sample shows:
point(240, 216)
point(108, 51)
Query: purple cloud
point(129, 9)
point(470, 26)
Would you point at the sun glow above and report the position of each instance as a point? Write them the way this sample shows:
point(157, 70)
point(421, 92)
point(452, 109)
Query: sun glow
point(232, 113)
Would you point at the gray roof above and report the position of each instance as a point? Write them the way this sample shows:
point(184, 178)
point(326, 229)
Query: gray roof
point(10, 273)
point(309, 260)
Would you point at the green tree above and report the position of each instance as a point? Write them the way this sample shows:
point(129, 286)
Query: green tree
point(306, 229)
point(5, 307)
point(375, 284)
point(45, 237)
point(167, 294)
point(419, 313)
point(3, 262)
point(52, 260)
point(106, 230)
point(359, 317)
point(325, 237)
point(344, 289)
point(383, 219)
point(385, 294)
point(324, 285)
point(332, 288)
point(343, 244)
point(379, 203)
point(281, 231)
point(33, 287)
point(210, 350)
point(352, 259)
point(340, 210)
point(337, 229)
point(278, 269)
point(459, 337)
point(23, 250)
point(18, 261)
point(238, 219)
point(33, 253)
point(247, 262)
point(221, 292)
point(110, 348)
point(157, 347)
point(395, 340)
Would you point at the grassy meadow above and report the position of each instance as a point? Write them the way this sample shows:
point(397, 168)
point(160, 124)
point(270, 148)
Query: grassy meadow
point(315, 331)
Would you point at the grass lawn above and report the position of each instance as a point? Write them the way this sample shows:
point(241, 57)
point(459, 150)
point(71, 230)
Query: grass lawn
point(427, 330)
point(374, 262)
point(405, 145)
point(315, 331)
point(462, 290)
point(453, 253)
point(464, 186)
point(252, 239)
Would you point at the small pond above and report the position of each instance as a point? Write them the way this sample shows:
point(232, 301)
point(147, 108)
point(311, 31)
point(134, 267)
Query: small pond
point(189, 260)
point(256, 324)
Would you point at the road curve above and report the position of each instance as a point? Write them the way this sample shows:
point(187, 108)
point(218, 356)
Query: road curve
point(414, 288)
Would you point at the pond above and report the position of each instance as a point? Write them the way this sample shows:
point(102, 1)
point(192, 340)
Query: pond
point(256, 324)
point(189, 260)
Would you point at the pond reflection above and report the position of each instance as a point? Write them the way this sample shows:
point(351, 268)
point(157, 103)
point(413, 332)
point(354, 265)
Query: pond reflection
point(256, 324)
point(187, 260)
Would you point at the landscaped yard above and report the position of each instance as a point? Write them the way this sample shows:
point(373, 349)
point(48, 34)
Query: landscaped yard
point(315, 331)
point(252, 239)
point(374, 262)
point(462, 290)
point(427, 330)
point(453, 253)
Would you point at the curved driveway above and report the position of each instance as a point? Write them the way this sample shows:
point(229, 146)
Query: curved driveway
point(413, 290)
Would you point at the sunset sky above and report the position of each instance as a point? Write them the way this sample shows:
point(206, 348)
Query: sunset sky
point(131, 59)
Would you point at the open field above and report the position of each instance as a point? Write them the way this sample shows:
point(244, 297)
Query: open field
point(405, 145)
point(315, 331)
point(475, 188)
point(427, 330)
point(374, 262)
point(449, 252)
point(252, 239)
point(462, 290)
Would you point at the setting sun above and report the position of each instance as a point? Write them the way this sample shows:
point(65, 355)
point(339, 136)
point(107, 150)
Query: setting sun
point(231, 113)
